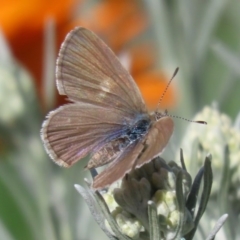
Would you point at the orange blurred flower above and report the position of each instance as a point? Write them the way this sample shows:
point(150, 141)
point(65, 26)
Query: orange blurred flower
point(23, 25)
point(120, 23)
point(151, 81)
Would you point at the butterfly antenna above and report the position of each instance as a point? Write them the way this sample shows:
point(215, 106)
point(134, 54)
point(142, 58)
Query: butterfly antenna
point(185, 119)
point(165, 90)
point(166, 113)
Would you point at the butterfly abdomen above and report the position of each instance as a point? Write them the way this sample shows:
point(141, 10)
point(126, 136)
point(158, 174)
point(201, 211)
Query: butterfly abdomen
point(108, 153)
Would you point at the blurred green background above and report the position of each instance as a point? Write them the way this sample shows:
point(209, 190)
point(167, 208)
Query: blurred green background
point(152, 38)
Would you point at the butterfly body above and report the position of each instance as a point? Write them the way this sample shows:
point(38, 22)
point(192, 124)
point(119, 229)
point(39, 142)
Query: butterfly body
point(138, 130)
point(107, 119)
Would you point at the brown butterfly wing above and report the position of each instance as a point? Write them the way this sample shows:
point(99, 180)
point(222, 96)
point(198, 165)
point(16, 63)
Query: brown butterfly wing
point(138, 153)
point(89, 72)
point(75, 130)
point(106, 99)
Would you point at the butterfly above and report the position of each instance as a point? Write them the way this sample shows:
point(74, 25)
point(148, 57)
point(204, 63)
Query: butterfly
point(107, 118)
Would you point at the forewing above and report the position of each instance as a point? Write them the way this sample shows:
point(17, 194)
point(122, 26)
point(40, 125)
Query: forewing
point(137, 154)
point(156, 140)
point(73, 131)
point(89, 72)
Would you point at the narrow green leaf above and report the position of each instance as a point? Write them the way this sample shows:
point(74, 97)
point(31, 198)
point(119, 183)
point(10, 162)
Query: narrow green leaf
point(154, 227)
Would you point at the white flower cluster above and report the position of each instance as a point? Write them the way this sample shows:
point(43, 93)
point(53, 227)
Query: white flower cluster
point(213, 138)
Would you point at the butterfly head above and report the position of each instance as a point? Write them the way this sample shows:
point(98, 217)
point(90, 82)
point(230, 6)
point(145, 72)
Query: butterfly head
point(159, 114)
